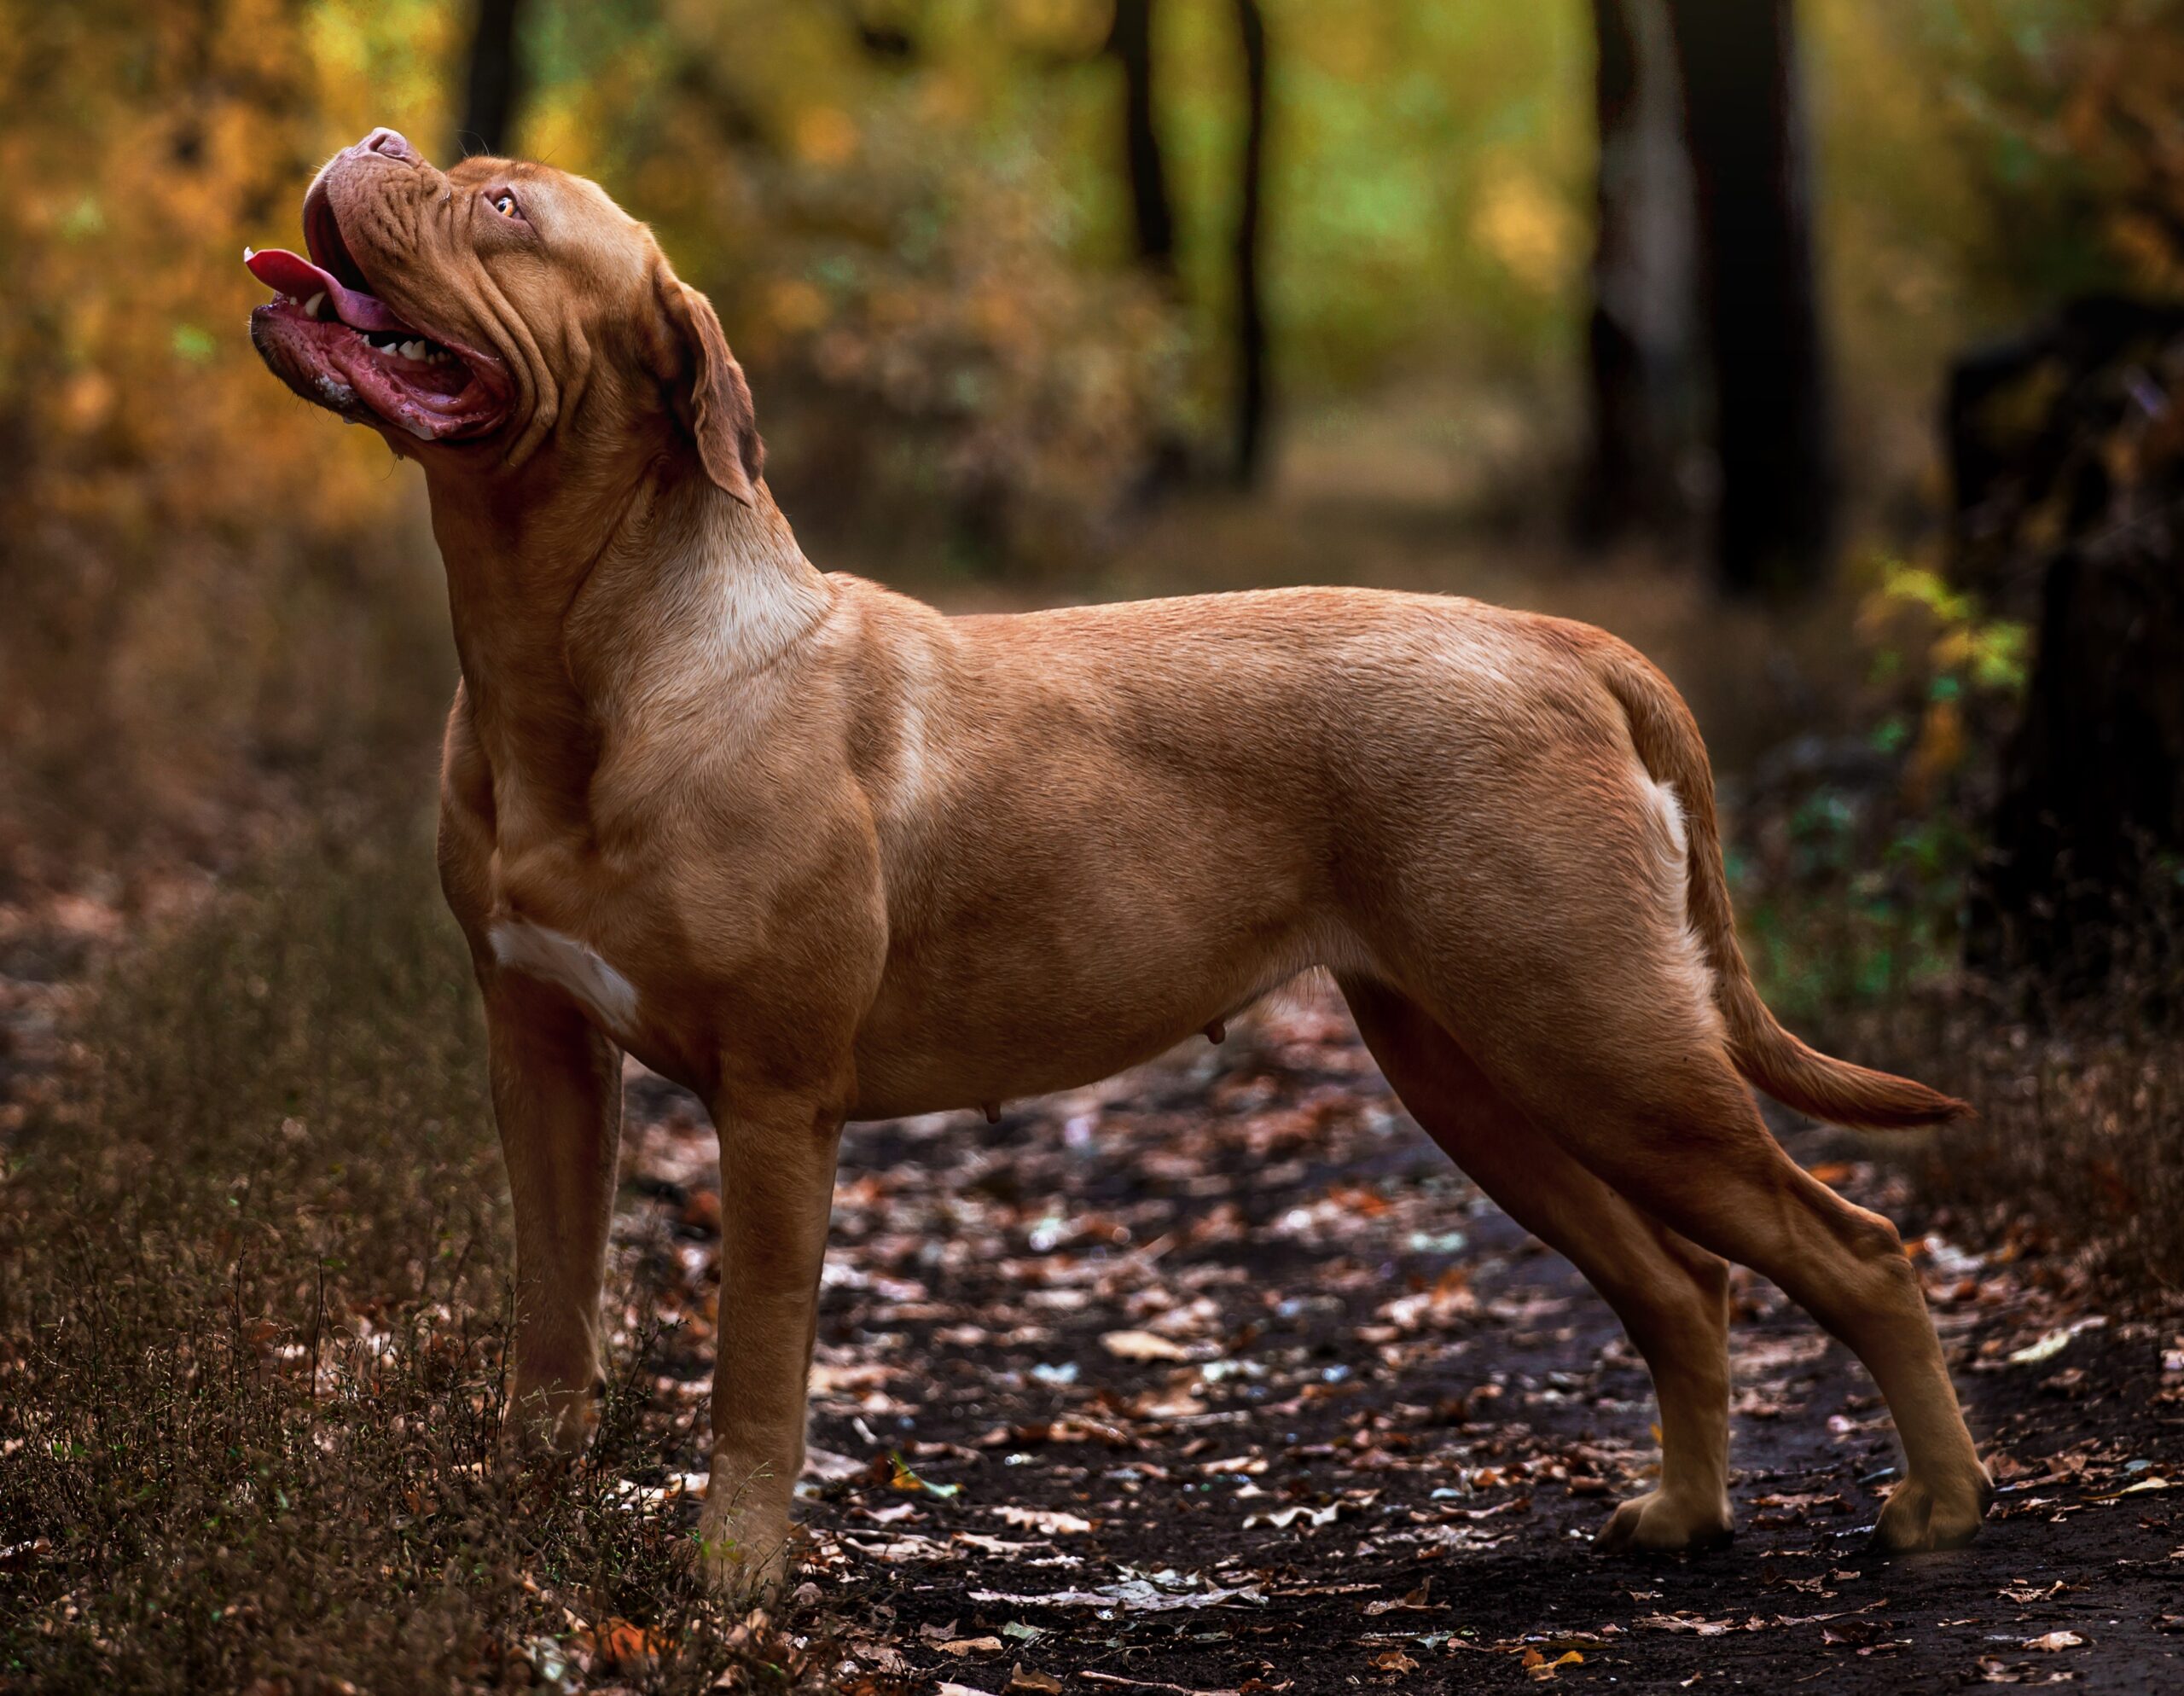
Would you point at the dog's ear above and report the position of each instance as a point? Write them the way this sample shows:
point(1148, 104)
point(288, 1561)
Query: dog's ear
point(705, 389)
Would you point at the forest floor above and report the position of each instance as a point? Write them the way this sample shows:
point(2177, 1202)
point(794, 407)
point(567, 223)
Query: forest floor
point(1219, 1378)
point(1216, 1377)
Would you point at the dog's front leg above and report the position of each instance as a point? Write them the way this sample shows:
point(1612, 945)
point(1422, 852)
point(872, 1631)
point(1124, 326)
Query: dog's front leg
point(777, 1153)
point(557, 1097)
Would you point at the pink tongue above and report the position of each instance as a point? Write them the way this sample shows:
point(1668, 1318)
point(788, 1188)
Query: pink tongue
point(293, 275)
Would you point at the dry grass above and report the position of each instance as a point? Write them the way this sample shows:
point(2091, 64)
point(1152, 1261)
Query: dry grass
point(2079, 1141)
point(251, 1339)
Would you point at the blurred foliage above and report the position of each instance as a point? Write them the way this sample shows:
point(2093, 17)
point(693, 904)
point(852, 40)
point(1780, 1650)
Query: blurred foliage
point(1854, 848)
point(2070, 111)
point(912, 214)
point(929, 240)
point(196, 585)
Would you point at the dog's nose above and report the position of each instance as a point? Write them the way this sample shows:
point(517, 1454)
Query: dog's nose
point(391, 142)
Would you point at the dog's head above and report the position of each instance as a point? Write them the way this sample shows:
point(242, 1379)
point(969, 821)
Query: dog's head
point(480, 310)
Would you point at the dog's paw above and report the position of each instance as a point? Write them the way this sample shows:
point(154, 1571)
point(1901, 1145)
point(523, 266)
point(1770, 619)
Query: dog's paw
point(550, 1421)
point(744, 1558)
point(1659, 1520)
point(1917, 1517)
point(745, 1533)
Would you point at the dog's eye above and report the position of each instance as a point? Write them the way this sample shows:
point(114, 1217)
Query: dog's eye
point(503, 202)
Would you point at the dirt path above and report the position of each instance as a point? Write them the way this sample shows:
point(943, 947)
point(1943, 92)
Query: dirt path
point(1218, 1378)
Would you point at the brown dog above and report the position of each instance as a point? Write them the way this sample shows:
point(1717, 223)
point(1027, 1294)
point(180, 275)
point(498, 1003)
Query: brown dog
point(820, 853)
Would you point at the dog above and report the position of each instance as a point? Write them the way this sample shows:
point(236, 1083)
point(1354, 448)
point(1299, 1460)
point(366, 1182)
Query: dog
point(820, 853)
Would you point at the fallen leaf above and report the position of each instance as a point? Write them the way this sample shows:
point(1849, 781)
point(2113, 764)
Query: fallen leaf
point(1142, 1345)
point(1043, 1683)
point(902, 1477)
point(828, 1467)
point(1281, 1518)
point(2052, 1640)
point(2139, 1488)
point(996, 1545)
point(1420, 1600)
point(1052, 1521)
point(1449, 1298)
point(1394, 1660)
point(961, 1646)
point(618, 1643)
point(1994, 1670)
point(1674, 1622)
point(2052, 1342)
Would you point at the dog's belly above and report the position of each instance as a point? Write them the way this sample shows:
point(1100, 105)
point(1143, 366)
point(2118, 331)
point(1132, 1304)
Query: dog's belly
point(956, 1068)
point(1032, 1024)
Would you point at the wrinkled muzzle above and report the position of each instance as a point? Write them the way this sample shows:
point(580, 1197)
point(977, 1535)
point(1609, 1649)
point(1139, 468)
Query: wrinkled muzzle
point(331, 339)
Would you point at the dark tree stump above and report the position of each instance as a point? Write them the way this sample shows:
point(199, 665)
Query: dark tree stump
point(2092, 808)
point(2067, 447)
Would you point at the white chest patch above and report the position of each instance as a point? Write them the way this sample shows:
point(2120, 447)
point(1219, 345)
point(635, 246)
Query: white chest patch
point(538, 952)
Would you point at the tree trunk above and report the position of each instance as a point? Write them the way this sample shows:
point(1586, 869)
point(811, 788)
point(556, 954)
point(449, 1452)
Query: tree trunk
point(1252, 386)
point(1642, 330)
point(493, 87)
point(1130, 40)
point(1745, 127)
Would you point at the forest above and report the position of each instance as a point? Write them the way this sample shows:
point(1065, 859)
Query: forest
point(1831, 352)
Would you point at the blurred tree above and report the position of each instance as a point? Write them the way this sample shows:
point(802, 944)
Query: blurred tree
point(2067, 446)
point(201, 591)
point(1250, 330)
point(1130, 42)
point(1641, 331)
point(1744, 120)
point(493, 87)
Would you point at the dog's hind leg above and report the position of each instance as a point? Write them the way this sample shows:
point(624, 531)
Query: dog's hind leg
point(1672, 1297)
point(1553, 926)
point(1658, 1113)
point(1688, 1145)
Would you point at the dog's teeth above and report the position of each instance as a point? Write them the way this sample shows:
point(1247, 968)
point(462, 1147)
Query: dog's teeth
point(413, 350)
point(316, 306)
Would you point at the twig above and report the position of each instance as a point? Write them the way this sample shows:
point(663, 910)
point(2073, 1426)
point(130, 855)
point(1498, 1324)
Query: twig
point(1091, 1677)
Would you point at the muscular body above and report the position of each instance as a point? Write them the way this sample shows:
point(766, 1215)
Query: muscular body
point(820, 853)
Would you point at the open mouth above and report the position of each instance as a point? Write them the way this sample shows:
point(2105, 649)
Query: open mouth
point(336, 342)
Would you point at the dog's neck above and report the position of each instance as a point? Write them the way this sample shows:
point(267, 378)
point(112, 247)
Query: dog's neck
point(576, 607)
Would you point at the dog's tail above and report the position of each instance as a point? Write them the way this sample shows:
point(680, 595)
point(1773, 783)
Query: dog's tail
point(1667, 741)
